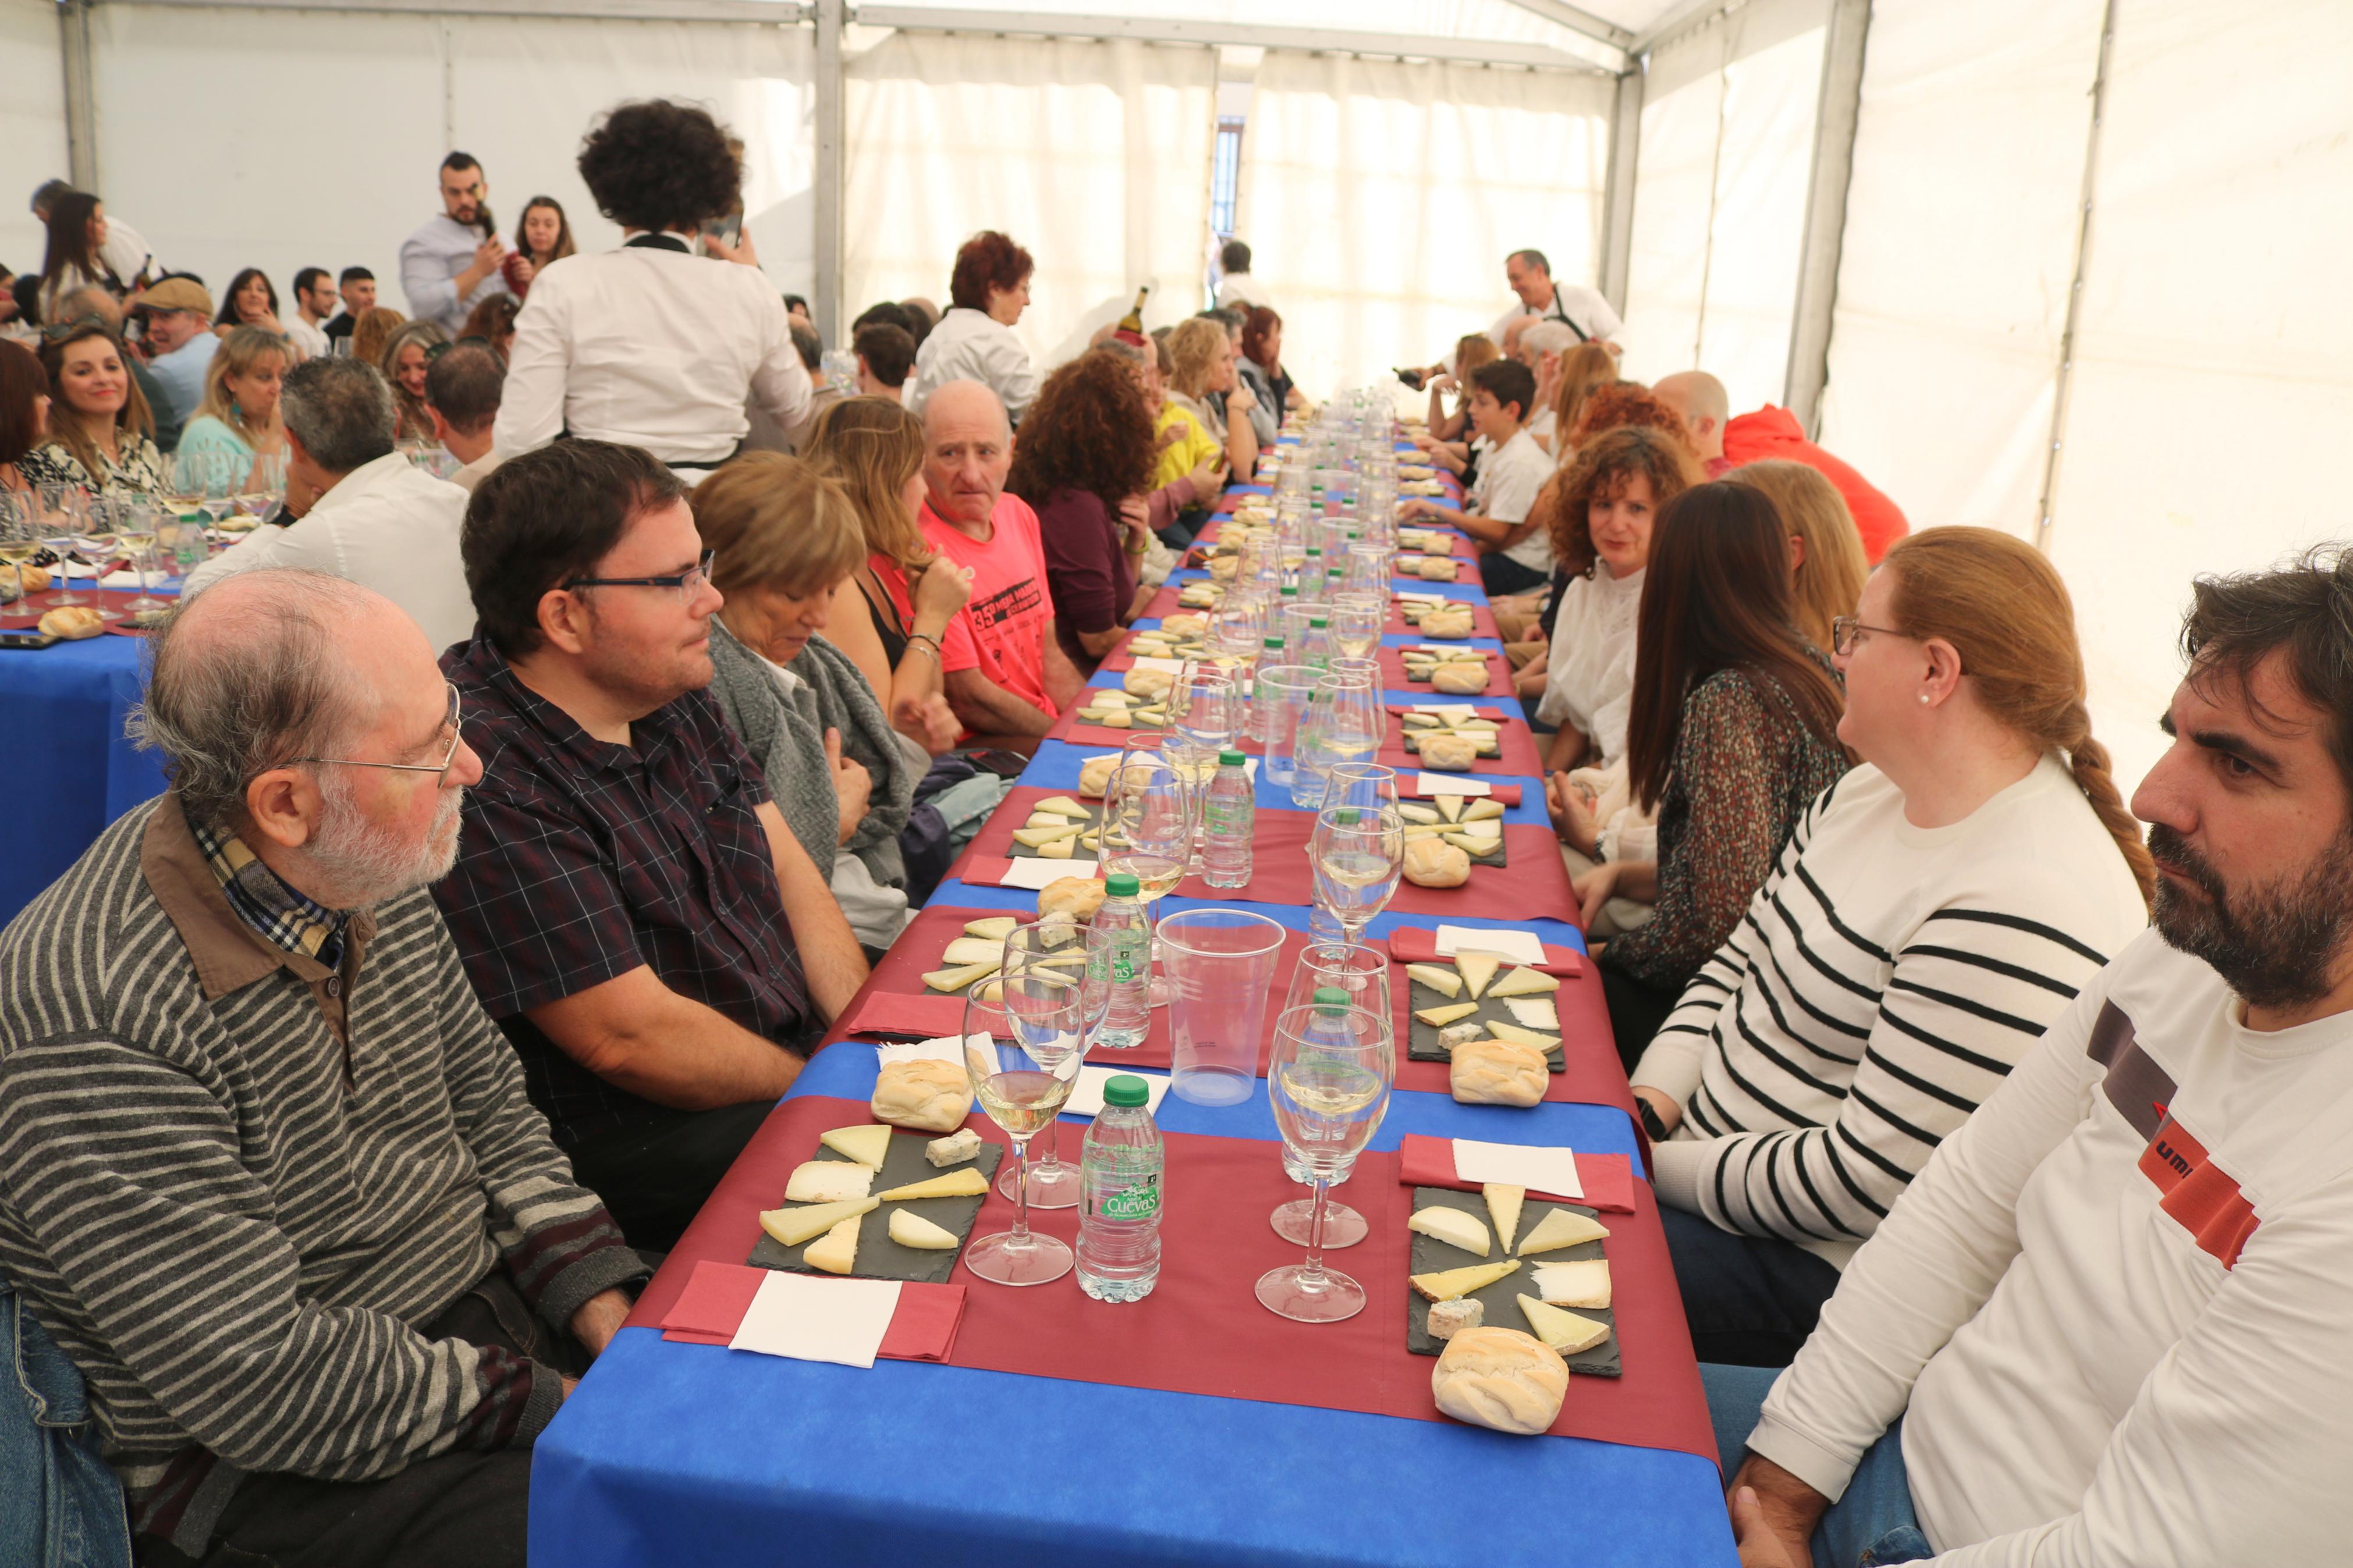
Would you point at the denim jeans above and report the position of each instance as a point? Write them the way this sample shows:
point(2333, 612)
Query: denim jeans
point(61, 1506)
point(1751, 1300)
point(1872, 1523)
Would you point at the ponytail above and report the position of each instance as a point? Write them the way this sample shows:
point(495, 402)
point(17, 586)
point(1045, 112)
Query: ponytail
point(2003, 606)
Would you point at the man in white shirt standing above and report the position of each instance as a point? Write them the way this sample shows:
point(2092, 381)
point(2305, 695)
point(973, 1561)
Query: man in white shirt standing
point(1514, 555)
point(314, 301)
point(2104, 1325)
point(1238, 290)
point(1587, 313)
point(454, 262)
point(651, 345)
point(365, 513)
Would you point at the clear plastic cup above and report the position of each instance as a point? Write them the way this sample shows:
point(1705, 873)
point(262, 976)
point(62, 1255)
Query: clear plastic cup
point(1279, 702)
point(1221, 967)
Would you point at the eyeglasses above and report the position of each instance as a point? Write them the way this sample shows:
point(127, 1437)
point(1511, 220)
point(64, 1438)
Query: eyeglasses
point(685, 583)
point(440, 768)
point(1844, 627)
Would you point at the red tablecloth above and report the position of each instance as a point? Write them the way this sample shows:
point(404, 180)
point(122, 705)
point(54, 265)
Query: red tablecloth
point(1499, 675)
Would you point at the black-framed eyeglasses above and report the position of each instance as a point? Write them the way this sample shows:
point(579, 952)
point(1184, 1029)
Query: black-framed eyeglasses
point(686, 584)
point(440, 768)
point(1844, 628)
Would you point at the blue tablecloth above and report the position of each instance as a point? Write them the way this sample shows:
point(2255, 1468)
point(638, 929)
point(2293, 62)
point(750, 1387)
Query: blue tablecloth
point(62, 709)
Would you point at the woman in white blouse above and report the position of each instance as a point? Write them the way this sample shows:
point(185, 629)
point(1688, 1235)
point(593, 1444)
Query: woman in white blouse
point(975, 342)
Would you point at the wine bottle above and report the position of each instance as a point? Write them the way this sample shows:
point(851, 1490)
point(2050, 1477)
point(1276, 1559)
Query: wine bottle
point(1412, 378)
point(1134, 321)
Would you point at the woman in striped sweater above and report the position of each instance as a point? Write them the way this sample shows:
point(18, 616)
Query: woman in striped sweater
point(1933, 913)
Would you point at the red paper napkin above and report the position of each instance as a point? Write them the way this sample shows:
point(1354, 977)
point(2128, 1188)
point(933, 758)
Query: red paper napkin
point(887, 1015)
point(1412, 944)
point(1608, 1179)
point(711, 1307)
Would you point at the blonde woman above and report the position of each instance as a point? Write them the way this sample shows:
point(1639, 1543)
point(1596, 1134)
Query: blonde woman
point(890, 614)
point(1584, 370)
point(1825, 547)
point(238, 420)
point(1202, 354)
point(407, 354)
point(373, 331)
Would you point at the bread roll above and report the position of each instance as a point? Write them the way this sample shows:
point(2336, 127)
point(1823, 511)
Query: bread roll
point(1501, 1379)
point(1094, 774)
point(1148, 683)
point(1434, 863)
point(924, 1095)
point(1447, 753)
point(1184, 625)
point(72, 621)
point(1077, 897)
point(1222, 567)
point(1459, 677)
point(1498, 1072)
point(1446, 625)
point(1435, 568)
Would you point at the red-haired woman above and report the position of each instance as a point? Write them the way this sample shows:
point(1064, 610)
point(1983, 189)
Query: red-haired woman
point(24, 411)
point(1085, 462)
point(974, 341)
point(1260, 368)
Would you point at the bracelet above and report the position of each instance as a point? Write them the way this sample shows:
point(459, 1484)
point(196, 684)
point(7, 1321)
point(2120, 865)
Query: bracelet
point(926, 640)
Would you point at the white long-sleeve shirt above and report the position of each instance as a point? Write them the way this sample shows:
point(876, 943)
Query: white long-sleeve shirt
point(430, 260)
point(972, 345)
point(2112, 1310)
point(652, 347)
point(1582, 309)
point(1883, 982)
point(1589, 660)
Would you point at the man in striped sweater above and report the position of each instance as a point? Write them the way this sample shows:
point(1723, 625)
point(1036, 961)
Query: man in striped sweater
point(268, 1174)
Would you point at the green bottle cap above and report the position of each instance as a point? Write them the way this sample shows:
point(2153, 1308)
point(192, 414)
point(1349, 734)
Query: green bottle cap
point(1274, 642)
point(1315, 621)
point(1120, 885)
point(1331, 1001)
point(1229, 758)
point(1126, 1090)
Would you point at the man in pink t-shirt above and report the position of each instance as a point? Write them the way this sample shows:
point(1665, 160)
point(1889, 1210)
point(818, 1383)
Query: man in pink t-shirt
point(1002, 670)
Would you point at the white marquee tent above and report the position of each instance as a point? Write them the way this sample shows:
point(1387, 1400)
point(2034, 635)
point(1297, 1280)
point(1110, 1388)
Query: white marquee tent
point(2073, 269)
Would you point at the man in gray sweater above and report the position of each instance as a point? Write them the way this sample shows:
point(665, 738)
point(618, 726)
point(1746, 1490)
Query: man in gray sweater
point(268, 1174)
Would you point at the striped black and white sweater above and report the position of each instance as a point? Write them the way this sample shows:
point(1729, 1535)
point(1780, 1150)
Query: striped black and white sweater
point(1885, 980)
point(234, 1222)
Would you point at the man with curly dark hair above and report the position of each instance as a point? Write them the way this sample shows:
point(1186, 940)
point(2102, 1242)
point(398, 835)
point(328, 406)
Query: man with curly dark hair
point(1085, 463)
point(652, 345)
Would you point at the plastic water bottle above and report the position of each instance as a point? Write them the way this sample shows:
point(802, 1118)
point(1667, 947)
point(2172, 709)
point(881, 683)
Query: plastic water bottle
point(1315, 648)
point(1225, 813)
point(1119, 1196)
point(1129, 955)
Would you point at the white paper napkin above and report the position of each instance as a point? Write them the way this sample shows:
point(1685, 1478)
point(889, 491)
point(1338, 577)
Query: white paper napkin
point(1515, 1165)
point(809, 1319)
point(1087, 1095)
point(1519, 946)
point(1166, 666)
point(1450, 784)
point(1035, 874)
point(1449, 711)
point(944, 1048)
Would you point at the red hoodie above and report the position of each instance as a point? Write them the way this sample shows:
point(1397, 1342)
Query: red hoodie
point(1774, 433)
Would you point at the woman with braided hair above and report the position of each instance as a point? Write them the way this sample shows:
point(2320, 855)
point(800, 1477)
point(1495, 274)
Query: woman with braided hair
point(1936, 910)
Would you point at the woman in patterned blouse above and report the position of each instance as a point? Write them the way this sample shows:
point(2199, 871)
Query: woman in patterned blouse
point(101, 435)
point(1733, 732)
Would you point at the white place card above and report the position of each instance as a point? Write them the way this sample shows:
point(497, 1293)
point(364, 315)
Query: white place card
point(1442, 783)
point(1519, 946)
point(1550, 1171)
point(1036, 874)
point(1165, 666)
point(1087, 1094)
point(809, 1319)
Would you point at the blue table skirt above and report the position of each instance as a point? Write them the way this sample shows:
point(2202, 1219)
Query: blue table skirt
point(62, 709)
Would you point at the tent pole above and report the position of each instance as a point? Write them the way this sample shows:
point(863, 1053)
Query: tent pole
point(1618, 202)
point(827, 208)
point(81, 101)
point(1835, 123)
point(2043, 513)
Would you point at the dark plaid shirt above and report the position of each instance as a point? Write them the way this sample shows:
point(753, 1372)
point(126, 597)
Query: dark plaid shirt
point(580, 861)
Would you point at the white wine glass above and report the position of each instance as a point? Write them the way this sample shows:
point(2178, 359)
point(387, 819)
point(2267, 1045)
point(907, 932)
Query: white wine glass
point(98, 544)
point(1361, 973)
point(1329, 1083)
point(1356, 624)
point(1370, 785)
point(137, 536)
point(1022, 1052)
point(1358, 854)
point(1147, 832)
point(20, 540)
point(1086, 954)
point(64, 513)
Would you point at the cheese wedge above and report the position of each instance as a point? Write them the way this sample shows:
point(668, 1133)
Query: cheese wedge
point(1477, 969)
point(1061, 806)
point(1520, 1036)
point(790, 1227)
point(1110, 720)
point(996, 928)
point(868, 1145)
point(1451, 1226)
point(1484, 809)
point(909, 1228)
point(1470, 845)
point(965, 1183)
point(1044, 819)
point(1451, 807)
point(1039, 838)
point(1446, 1285)
point(1533, 1012)
point(1444, 981)
point(993, 992)
point(1423, 722)
point(1421, 813)
point(829, 1182)
point(974, 950)
point(1439, 1017)
point(838, 1251)
point(1585, 1284)
point(1424, 830)
point(952, 1150)
point(1564, 1331)
point(957, 979)
point(1058, 850)
point(1562, 1227)
point(1503, 1208)
point(1525, 982)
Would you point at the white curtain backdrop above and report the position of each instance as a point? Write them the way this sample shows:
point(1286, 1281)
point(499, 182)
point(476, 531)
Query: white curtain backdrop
point(32, 123)
point(1093, 156)
point(1379, 199)
point(2213, 363)
point(1960, 241)
point(1721, 180)
point(278, 176)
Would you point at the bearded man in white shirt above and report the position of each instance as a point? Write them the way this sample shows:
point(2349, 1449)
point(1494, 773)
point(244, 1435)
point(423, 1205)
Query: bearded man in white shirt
point(2104, 1323)
point(651, 345)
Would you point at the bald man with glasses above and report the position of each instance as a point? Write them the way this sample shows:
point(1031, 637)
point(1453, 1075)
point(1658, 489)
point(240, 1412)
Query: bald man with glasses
point(630, 905)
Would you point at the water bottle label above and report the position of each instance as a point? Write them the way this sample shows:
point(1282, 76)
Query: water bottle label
point(1141, 1201)
point(1127, 959)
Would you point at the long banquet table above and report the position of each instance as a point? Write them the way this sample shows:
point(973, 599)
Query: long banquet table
point(674, 1452)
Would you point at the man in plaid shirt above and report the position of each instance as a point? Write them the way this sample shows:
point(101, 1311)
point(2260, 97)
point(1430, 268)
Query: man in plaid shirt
point(628, 899)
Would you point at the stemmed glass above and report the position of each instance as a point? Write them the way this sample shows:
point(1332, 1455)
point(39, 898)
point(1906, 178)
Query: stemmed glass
point(97, 542)
point(1358, 854)
point(1355, 623)
point(137, 537)
point(1329, 1084)
point(64, 510)
point(1023, 1053)
point(1147, 831)
point(19, 543)
point(1053, 1183)
point(1361, 973)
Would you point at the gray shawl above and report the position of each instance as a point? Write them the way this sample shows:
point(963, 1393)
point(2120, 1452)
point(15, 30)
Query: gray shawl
point(786, 735)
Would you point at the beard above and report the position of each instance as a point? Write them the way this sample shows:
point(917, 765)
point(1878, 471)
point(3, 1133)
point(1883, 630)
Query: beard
point(373, 864)
point(2277, 944)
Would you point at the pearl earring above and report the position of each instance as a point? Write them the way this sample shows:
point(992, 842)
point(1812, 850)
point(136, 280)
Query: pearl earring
point(1924, 697)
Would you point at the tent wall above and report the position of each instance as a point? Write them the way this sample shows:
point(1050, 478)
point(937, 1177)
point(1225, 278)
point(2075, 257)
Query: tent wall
point(32, 123)
point(1380, 198)
point(1067, 145)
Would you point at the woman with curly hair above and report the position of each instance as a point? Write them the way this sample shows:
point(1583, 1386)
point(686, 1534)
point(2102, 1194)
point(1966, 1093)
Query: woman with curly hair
point(1084, 462)
point(975, 342)
point(1201, 364)
point(651, 345)
point(492, 324)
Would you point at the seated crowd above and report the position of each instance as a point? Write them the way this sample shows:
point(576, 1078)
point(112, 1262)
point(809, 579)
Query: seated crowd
point(528, 828)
